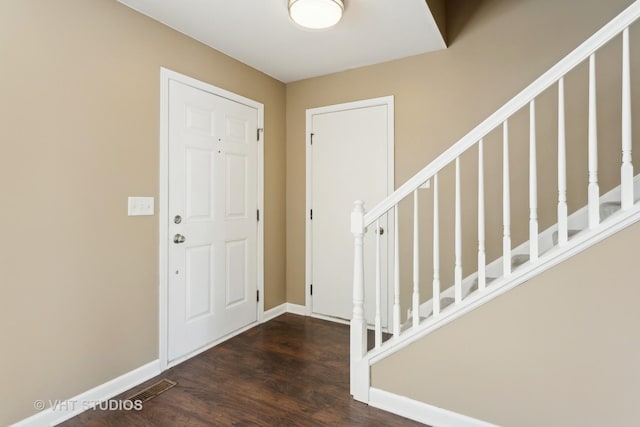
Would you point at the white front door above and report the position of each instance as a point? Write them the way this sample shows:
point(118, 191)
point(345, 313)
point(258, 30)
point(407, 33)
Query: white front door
point(212, 205)
point(351, 158)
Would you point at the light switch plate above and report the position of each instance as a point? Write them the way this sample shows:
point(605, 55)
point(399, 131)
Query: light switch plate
point(140, 206)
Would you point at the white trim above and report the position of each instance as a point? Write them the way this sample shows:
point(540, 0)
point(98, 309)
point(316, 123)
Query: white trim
point(263, 216)
point(388, 101)
point(281, 309)
point(131, 379)
point(300, 310)
point(78, 404)
point(163, 214)
point(163, 218)
point(420, 411)
point(370, 327)
point(274, 312)
point(308, 298)
point(330, 318)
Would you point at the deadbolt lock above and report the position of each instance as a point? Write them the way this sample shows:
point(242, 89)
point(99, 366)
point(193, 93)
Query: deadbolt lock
point(177, 219)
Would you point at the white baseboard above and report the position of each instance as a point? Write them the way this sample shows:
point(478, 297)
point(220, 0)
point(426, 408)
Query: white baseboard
point(284, 308)
point(330, 318)
point(69, 408)
point(274, 312)
point(420, 411)
point(300, 310)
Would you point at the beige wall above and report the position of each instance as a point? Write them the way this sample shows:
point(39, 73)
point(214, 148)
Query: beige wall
point(559, 350)
point(79, 113)
point(497, 47)
point(438, 9)
point(79, 109)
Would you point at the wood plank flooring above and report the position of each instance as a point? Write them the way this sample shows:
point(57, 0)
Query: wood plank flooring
point(291, 371)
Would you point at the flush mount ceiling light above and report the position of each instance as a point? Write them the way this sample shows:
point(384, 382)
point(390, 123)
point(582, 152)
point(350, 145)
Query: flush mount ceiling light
point(316, 14)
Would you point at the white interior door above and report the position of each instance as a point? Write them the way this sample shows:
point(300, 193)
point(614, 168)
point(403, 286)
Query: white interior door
point(350, 160)
point(212, 250)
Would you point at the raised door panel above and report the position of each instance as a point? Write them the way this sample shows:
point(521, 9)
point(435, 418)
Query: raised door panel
point(236, 272)
point(198, 281)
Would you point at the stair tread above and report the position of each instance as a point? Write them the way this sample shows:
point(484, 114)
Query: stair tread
point(409, 324)
point(570, 234)
point(519, 259)
point(446, 302)
point(606, 209)
point(474, 286)
point(609, 208)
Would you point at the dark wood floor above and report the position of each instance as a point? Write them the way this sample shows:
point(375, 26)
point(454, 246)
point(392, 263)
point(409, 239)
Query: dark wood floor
point(291, 371)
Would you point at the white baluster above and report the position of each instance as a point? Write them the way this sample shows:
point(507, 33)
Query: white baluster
point(396, 274)
point(506, 202)
point(482, 275)
point(563, 228)
point(416, 263)
point(594, 189)
point(436, 248)
point(533, 185)
point(458, 239)
point(377, 320)
point(626, 171)
point(358, 332)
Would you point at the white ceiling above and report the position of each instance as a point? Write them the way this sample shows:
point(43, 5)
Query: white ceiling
point(260, 33)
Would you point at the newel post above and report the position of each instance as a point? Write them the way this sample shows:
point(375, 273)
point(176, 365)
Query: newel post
point(359, 367)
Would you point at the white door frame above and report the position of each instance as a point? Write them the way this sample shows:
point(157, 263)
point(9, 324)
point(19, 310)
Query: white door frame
point(165, 76)
point(374, 102)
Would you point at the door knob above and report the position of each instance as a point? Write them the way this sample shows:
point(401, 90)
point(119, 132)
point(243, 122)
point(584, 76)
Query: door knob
point(178, 238)
point(380, 231)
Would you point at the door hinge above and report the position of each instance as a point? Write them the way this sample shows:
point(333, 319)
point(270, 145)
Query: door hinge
point(311, 214)
point(312, 138)
point(258, 133)
point(257, 296)
point(311, 289)
point(258, 215)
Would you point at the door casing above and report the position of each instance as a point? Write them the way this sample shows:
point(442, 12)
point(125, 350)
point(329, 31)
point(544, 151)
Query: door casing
point(163, 212)
point(389, 102)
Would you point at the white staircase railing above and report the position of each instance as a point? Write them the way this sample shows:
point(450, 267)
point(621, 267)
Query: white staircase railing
point(361, 357)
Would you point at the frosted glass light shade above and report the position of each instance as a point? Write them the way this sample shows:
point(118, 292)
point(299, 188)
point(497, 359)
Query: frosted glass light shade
point(316, 14)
